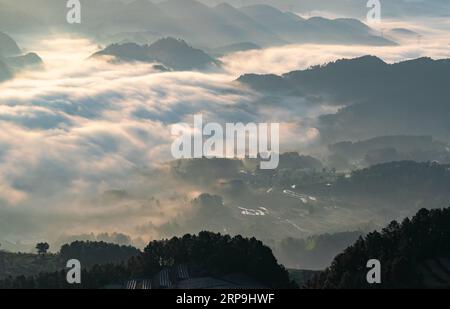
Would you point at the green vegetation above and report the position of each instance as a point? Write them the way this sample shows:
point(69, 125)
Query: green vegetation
point(88, 253)
point(91, 253)
point(16, 264)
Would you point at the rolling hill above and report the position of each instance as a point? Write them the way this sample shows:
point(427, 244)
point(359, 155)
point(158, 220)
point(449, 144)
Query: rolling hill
point(172, 53)
point(379, 99)
point(20, 62)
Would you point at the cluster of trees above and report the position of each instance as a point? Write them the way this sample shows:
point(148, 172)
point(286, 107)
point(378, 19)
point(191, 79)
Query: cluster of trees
point(401, 249)
point(217, 255)
point(214, 254)
point(42, 248)
point(91, 253)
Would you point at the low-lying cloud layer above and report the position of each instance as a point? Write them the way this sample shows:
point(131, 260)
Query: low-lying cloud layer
point(82, 127)
point(430, 39)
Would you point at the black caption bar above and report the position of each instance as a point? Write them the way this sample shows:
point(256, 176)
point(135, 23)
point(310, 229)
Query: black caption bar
point(217, 298)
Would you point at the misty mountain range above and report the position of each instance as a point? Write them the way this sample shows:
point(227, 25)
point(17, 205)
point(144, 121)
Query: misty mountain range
point(190, 20)
point(408, 97)
point(355, 8)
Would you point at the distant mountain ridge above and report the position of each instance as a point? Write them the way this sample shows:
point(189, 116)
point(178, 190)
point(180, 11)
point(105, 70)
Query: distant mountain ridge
point(202, 25)
point(12, 59)
point(294, 28)
point(172, 53)
point(356, 8)
point(8, 47)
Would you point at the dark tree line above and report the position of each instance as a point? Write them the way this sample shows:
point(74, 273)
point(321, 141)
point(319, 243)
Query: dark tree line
point(218, 255)
point(401, 249)
point(214, 254)
point(91, 253)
